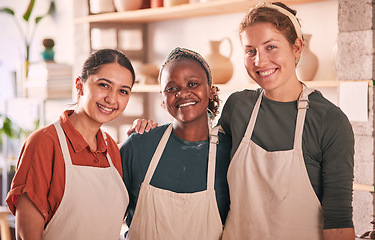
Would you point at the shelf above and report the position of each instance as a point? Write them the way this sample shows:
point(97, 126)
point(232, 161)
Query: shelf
point(140, 88)
point(214, 7)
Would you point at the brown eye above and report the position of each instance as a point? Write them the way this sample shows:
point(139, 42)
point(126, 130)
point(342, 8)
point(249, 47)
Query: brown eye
point(124, 91)
point(104, 85)
point(170, 89)
point(193, 84)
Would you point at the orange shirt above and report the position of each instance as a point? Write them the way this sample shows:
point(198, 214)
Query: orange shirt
point(41, 167)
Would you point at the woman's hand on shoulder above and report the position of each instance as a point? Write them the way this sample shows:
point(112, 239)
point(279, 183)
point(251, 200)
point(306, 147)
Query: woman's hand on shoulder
point(141, 125)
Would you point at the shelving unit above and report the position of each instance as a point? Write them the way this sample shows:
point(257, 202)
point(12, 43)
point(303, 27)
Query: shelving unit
point(141, 88)
point(215, 7)
point(139, 19)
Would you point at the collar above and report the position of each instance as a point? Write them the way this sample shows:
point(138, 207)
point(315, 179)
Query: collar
point(75, 138)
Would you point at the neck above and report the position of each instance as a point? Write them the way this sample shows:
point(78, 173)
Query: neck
point(85, 127)
point(191, 133)
point(286, 93)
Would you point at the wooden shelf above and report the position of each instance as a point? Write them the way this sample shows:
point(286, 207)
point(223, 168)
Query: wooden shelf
point(214, 7)
point(141, 88)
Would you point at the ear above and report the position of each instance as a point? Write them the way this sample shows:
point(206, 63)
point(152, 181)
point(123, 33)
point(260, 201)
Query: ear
point(297, 48)
point(162, 104)
point(211, 92)
point(79, 86)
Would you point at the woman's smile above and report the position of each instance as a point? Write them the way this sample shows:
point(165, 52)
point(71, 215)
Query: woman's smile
point(267, 72)
point(106, 109)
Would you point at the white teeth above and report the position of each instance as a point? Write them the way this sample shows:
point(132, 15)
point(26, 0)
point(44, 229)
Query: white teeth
point(186, 104)
point(106, 109)
point(268, 72)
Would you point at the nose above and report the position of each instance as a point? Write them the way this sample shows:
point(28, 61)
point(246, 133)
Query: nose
point(111, 97)
point(260, 59)
point(182, 93)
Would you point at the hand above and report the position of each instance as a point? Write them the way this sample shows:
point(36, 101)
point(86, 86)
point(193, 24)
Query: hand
point(141, 125)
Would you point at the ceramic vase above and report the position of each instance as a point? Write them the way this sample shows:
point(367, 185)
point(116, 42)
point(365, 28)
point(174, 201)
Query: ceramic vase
point(157, 3)
point(171, 3)
point(221, 66)
point(308, 63)
point(127, 5)
point(101, 6)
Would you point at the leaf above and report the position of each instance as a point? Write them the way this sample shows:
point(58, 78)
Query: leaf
point(7, 127)
point(37, 19)
point(27, 14)
point(7, 10)
point(51, 10)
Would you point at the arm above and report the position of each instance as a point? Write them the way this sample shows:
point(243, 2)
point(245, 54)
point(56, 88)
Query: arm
point(29, 221)
point(337, 175)
point(339, 234)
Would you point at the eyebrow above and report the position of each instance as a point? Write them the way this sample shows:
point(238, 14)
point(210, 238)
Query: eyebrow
point(266, 42)
point(109, 81)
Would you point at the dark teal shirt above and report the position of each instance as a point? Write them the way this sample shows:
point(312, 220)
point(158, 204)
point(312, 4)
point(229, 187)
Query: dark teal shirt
point(182, 167)
point(327, 143)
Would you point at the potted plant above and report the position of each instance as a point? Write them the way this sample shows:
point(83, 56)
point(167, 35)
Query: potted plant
point(27, 34)
point(48, 54)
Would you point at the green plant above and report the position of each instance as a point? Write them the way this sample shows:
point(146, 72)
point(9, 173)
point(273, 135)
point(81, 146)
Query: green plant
point(8, 128)
point(27, 34)
point(48, 43)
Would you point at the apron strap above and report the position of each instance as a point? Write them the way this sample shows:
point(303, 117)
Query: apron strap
point(63, 144)
point(214, 140)
point(159, 151)
point(108, 157)
point(302, 105)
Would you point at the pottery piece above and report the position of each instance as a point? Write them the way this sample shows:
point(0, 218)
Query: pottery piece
point(127, 5)
point(101, 6)
point(146, 73)
point(221, 66)
point(157, 3)
point(308, 63)
point(171, 3)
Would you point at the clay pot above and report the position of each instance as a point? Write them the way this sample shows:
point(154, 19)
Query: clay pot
point(101, 6)
point(308, 63)
point(127, 5)
point(170, 3)
point(146, 4)
point(221, 66)
point(157, 3)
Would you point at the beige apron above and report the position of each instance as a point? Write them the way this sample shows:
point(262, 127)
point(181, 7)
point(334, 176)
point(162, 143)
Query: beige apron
point(271, 194)
point(94, 201)
point(163, 214)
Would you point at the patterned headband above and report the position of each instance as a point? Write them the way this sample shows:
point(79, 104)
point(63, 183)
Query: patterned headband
point(178, 52)
point(292, 18)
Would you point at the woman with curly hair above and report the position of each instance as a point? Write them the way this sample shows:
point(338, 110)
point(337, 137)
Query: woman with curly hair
point(176, 173)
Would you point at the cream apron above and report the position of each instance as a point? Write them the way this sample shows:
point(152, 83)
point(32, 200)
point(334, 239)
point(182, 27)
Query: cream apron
point(94, 201)
point(163, 214)
point(271, 194)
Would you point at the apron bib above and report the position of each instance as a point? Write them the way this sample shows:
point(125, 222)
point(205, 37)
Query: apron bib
point(163, 214)
point(271, 194)
point(94, 201)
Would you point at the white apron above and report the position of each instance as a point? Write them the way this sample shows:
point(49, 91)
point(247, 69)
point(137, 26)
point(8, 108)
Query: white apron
point(162, 214)
point(94, 201)
point(271, 194)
